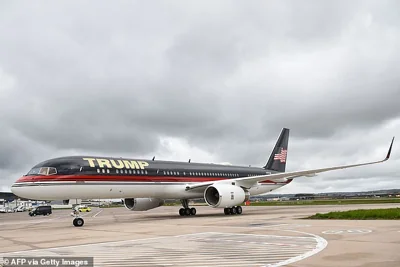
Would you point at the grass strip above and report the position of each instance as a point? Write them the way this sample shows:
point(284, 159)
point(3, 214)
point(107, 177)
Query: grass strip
point(360, 214)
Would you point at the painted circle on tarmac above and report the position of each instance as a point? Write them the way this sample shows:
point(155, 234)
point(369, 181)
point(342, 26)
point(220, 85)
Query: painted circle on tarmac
point(348, 231)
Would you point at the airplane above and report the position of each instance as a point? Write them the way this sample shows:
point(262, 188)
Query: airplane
point(147, 184)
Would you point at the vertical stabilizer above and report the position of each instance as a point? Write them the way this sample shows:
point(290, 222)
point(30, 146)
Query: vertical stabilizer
point(277, 160)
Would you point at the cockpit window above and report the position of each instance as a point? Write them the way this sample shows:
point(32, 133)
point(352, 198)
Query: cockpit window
point(34, 171)
point(52, 171)
point(43, 171)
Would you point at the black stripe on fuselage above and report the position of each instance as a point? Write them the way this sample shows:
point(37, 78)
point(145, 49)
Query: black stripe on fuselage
point(125, 167)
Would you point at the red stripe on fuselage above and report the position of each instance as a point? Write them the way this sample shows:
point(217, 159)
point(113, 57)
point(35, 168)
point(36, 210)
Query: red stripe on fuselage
point(120, 178)
point(114, 178)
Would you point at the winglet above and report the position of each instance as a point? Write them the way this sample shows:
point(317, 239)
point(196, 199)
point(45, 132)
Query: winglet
point(390, 150)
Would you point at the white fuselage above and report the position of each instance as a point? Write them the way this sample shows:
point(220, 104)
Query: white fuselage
point(98, 190)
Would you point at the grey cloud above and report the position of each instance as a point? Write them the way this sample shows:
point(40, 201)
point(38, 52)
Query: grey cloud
point(115, 78)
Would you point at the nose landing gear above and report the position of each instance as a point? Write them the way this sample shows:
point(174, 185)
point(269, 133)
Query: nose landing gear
point(78, 221)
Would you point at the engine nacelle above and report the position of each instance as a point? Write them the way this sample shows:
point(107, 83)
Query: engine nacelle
point(142, 204)
point(225, 195)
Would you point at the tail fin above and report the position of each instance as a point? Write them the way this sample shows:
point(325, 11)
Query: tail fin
point(277, 160)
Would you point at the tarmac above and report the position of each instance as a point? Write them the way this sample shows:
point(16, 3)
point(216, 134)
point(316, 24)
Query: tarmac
point(261, 236)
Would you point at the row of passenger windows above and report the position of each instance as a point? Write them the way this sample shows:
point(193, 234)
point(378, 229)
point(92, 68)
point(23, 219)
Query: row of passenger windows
point(170, 173)
point(202, 174)
point(122, 171)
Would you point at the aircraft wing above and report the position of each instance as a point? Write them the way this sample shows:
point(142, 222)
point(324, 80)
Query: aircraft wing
point(248, 182)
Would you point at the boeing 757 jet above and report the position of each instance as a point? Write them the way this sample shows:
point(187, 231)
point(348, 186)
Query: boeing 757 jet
point(146, 184)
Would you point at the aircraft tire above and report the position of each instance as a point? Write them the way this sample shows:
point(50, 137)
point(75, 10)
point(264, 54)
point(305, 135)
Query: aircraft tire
point(187, 212)
point(227, 211)
point(78, 222)
point(233, 210)
point(192, 211)
point(182, 211)
point(239, 210)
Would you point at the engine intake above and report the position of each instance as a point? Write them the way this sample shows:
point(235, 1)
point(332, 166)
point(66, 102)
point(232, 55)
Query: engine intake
point(225, 196)
point(142, 204)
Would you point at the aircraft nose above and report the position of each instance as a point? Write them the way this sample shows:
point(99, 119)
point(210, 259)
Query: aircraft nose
point(17, 188)
point(25, 179)
point(18, 184)
point(13, 188)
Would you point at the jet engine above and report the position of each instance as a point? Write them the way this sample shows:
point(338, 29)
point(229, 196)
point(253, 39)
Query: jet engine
point(225, 195)
point(142, 204)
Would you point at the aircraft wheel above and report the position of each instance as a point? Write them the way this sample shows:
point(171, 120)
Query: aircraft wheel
point(239, 210)
point(233, 210)
point(187, 212)
point(192, 211)
point(182, 211)
point(78, 222)
point(227, 211)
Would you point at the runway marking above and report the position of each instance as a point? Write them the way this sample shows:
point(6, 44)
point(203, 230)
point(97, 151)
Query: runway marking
point(283, 226)
point(349, 231)
point(97, 213)
point(197, 249)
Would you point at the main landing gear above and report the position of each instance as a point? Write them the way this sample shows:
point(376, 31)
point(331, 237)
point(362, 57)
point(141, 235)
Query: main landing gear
point(186, 211)
point(233, 210)
point(78, 221)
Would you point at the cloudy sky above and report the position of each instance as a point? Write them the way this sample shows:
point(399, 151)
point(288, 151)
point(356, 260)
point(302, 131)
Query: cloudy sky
point(211, 81)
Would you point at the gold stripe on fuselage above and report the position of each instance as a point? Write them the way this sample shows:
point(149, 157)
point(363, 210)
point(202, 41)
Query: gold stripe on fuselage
point(118, 164)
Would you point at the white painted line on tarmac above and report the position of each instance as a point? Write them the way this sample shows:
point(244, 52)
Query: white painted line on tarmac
point(198, 249)
point(321, 245)
point(284, 226)
point(97, 213)
point(348, 231)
